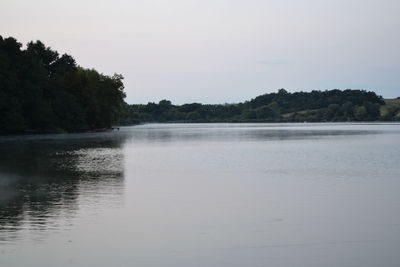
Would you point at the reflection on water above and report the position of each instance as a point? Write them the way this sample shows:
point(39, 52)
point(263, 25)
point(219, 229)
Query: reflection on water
point(247, 132)
point(42, 178)
point(216, 195)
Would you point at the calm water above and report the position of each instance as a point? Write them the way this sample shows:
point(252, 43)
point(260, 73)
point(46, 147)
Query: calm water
point(220, 195)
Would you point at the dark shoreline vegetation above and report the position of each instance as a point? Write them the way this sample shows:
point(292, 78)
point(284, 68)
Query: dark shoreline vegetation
point(282, 106)
point(43, 92)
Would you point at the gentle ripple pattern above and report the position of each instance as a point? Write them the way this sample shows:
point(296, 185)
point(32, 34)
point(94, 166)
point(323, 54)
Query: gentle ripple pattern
point(213, 195)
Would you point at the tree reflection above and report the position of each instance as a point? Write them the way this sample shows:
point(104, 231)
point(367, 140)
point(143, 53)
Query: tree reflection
point(43, 178)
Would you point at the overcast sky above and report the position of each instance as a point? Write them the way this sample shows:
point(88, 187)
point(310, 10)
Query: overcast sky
point(217, 51)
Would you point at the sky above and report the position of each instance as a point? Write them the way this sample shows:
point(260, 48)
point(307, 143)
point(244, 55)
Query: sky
point(220, 51)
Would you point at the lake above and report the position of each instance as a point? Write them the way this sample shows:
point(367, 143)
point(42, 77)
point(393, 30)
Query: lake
point(220, 195)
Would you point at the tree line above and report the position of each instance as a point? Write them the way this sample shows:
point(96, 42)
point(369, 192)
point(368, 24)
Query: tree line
point(281, 106)
point(42, 91)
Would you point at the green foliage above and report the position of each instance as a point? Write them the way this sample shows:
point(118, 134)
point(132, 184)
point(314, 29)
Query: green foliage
point(41, 91)
point(315, 106)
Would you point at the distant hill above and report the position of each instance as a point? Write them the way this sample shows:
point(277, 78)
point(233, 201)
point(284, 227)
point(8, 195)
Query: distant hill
point(391, 109)
point(392, 102)
point(281, 106)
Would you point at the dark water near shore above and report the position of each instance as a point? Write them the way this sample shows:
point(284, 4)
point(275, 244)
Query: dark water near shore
point(203, 195)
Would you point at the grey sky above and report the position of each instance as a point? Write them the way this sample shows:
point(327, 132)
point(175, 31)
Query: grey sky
point(220, 51)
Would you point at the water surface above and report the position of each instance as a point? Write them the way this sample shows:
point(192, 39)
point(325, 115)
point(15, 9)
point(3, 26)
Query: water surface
point(203, 195)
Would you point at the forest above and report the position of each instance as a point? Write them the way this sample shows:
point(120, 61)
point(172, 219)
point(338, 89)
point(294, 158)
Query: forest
point(44, 92)
point(281, 106)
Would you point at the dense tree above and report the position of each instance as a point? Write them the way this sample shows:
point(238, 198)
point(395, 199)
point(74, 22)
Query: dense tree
point(41, 91)
point(282, 106)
